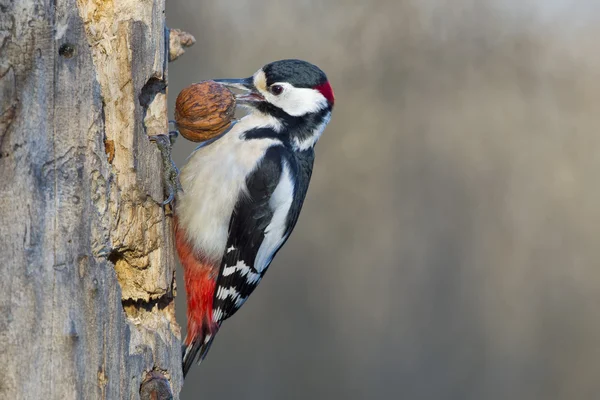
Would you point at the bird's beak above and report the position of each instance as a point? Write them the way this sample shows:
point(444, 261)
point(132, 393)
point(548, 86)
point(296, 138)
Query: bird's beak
point(250, 94)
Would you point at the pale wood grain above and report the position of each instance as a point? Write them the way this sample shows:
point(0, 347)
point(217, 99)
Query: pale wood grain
point(87, 279)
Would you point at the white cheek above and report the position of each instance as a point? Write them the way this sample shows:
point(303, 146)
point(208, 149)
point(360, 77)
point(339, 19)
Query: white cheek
point(300, 101)
point(296, 101)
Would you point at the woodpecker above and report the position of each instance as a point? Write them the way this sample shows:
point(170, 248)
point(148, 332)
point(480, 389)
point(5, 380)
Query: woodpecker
point(243, 192)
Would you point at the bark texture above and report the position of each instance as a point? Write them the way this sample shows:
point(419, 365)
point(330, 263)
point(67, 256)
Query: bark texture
point(87, 280)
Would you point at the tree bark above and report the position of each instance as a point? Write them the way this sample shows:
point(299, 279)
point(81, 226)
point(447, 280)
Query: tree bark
point(87, 282)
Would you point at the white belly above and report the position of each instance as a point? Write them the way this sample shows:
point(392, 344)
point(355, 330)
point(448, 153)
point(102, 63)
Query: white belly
point(212, 180)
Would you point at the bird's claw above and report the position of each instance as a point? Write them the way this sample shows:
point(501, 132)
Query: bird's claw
point(170, 170)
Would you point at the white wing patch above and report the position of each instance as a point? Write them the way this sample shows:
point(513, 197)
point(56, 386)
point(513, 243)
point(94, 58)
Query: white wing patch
point(223, 293)
point(280, 203)
point(217, 314)
point(244, 270)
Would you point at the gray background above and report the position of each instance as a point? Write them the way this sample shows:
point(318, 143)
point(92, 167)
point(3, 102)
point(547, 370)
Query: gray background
point(448, 247)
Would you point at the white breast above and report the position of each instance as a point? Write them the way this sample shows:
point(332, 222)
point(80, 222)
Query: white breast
point(213, 179)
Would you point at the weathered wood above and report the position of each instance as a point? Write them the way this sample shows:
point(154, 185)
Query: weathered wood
point(87, 279)
point(178, 41)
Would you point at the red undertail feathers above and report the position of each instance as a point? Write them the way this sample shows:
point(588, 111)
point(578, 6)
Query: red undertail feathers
point(200, 279)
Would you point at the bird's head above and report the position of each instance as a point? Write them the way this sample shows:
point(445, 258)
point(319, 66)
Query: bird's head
point(288, 87)
point(294, 96)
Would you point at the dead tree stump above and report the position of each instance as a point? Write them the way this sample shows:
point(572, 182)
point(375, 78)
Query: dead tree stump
point(87, 277)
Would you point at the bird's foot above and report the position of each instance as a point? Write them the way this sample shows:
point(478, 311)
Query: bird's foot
point(170, 170)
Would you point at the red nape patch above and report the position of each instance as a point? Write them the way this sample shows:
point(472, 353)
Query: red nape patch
point(199, 275)
point(327, 92)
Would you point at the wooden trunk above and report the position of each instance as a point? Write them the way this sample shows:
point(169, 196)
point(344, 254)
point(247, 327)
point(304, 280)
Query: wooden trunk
point(87, 277)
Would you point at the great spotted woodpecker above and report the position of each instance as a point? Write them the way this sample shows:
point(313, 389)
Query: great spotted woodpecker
point(242, 193)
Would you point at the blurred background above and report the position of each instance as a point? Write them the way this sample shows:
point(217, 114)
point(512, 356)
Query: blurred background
point(449, 244)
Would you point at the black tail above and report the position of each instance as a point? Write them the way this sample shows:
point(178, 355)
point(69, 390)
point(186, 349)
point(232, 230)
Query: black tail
point(198, 349)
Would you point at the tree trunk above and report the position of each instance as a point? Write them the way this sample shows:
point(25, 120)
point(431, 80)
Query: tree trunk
point(87, 283)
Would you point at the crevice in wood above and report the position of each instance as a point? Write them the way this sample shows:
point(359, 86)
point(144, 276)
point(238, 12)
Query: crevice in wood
point(152, 87)
point(142, 312)
point(146, 309)
point(156, 386)
point(152, 98)
point(109, 147)
point(134, 306)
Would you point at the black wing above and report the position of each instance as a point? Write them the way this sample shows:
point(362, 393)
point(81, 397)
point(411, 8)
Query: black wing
point(250, 223)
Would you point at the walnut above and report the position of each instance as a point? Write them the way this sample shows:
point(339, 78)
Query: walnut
point(204, 110)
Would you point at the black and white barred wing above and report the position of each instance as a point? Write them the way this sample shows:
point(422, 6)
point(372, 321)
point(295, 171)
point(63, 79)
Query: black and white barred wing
point(261, 223)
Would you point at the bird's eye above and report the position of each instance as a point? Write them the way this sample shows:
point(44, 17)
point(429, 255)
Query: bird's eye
point(276, 90)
